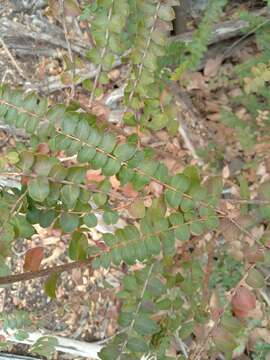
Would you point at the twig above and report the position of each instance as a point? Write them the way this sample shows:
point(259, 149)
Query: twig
point(14, 62)
point(189, 144)
point(224, 30)
point(65, 345)
point(242, 38)
point(65, 182)
point(16, 33)
point(181, 345)
point(70, 54)
point(190, 114)
point(11, 279)
point(208, 270)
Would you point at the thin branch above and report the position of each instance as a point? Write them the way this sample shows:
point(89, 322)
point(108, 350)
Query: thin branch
point(11, 279)
point(65, 182)
point(209, 268)
point(242, 38)
point(189, 144)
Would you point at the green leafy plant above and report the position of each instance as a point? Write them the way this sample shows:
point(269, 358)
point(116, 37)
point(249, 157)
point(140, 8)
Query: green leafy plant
point(170, 242)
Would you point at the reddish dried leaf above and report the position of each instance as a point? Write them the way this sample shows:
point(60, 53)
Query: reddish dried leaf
point(101, 245)
point(71, 8)
point(115, 182)
point(240, 314)
point(25, 180)
point(129, 191)
point(155, 188)
point(94, 175)
point(33, 258)
point(43, 148)
point(100, 110)
point(243, 302)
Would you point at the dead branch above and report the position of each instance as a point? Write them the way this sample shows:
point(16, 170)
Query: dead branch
point(224, 30)
point(36, 41)
point(11, 279)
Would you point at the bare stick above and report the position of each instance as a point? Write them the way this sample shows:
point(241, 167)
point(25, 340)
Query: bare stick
point(189, 144)
point(11, 279)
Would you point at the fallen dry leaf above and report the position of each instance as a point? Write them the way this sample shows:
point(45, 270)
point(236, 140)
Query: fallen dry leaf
point(94, 176)
point(196, 81)
point(115, 182)
point(43, 148)
point(129, 191)
point(114, 74)
point(212, 66)
point(243, 302)
point(155, 188)
point(33, 258)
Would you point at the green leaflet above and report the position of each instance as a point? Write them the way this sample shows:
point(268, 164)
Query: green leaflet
point(50, 285)
point(39, 189)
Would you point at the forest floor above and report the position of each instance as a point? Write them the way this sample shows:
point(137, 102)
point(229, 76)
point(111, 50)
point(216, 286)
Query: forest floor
point(90, 310)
